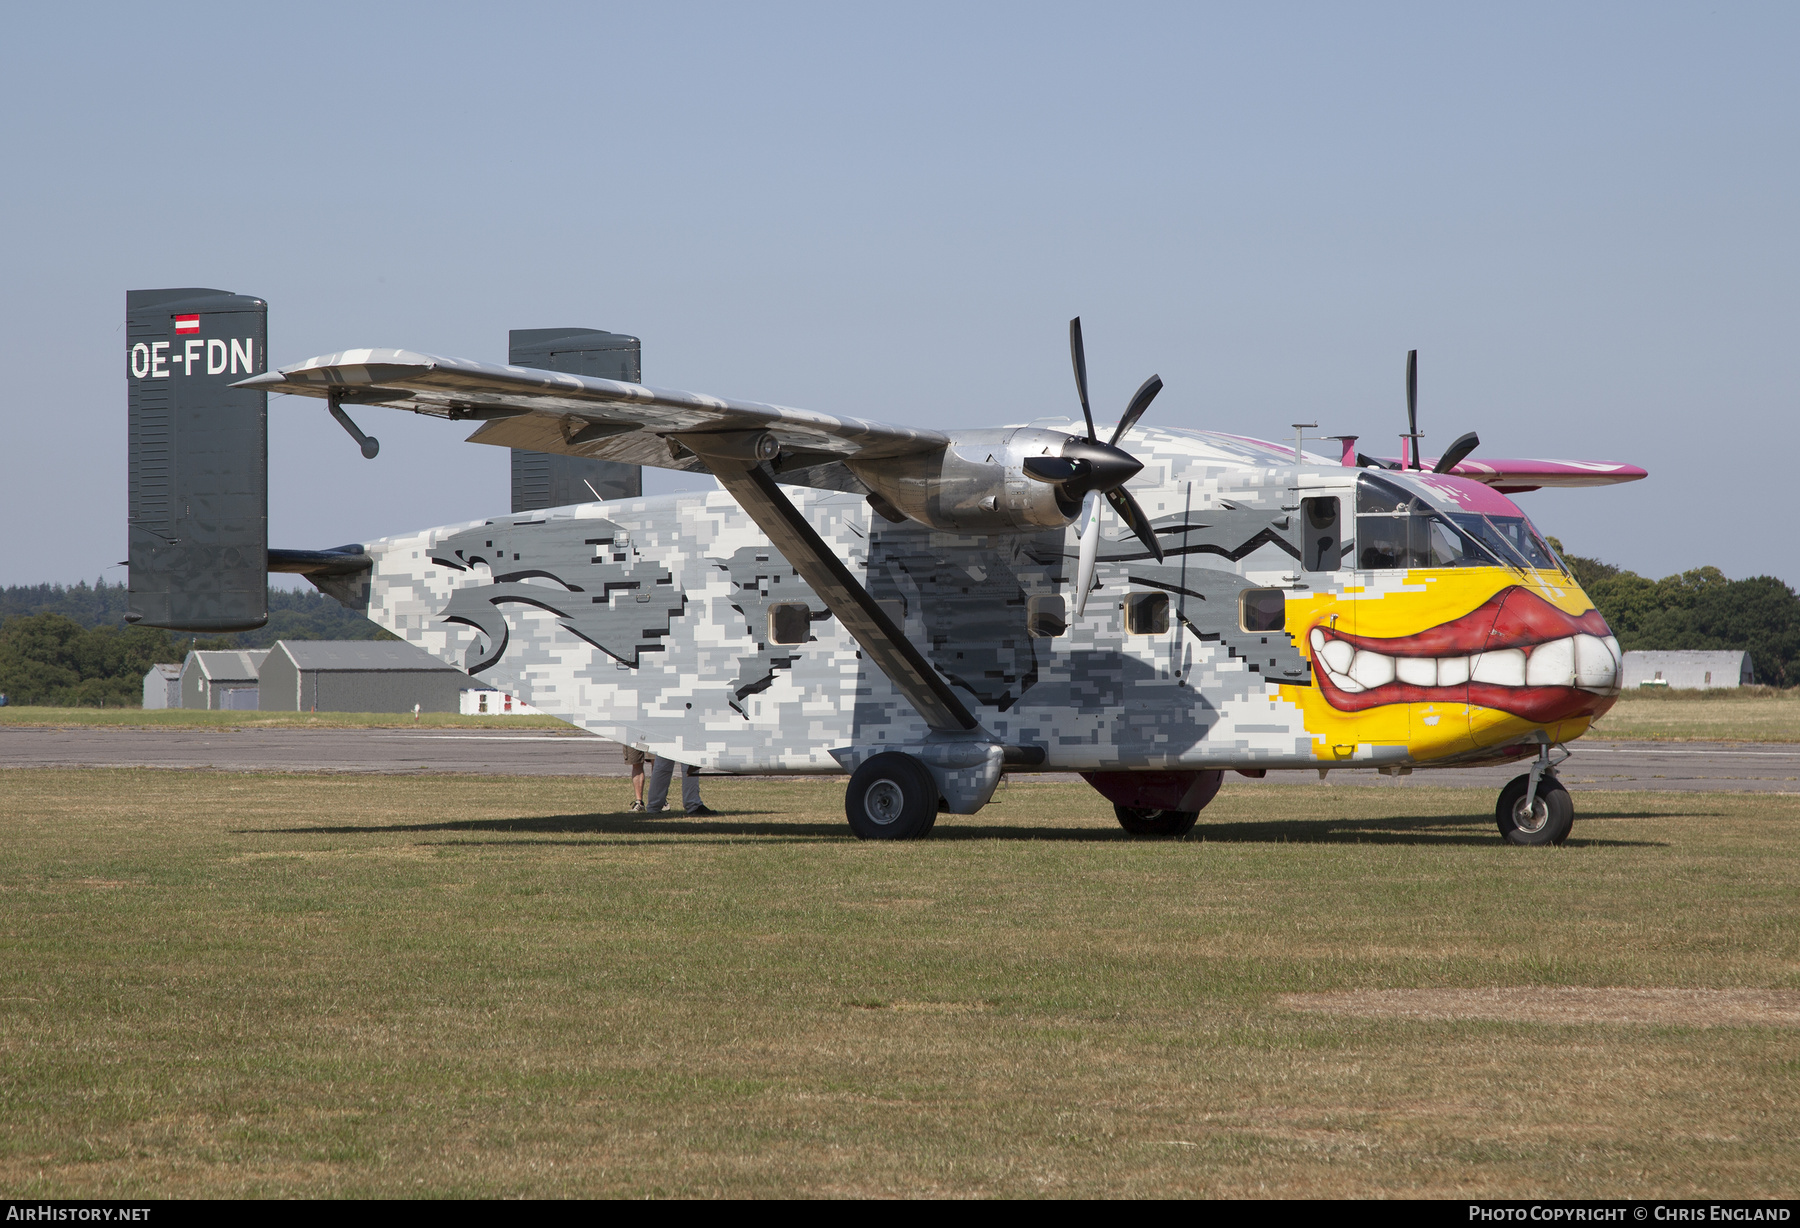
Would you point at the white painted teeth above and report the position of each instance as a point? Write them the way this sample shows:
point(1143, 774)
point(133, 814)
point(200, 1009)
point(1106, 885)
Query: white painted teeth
point(1551, 664)
point(1418, 671)
point(1596, 662)
point(1586, 661)
point(1338, 656)
point(1503, 667)
point(1371, 669)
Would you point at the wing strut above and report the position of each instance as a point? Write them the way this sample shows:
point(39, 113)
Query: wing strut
point(733, 458)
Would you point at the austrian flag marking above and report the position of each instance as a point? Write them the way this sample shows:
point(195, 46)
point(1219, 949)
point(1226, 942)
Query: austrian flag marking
point(187, 324)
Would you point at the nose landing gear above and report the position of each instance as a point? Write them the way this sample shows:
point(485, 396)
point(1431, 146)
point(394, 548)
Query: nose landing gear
point(1535, 808)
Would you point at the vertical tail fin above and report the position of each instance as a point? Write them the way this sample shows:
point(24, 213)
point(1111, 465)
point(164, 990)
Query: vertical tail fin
point(199, 459)
point(542, 479)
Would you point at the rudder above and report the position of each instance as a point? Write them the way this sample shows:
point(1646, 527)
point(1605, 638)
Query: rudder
point(199, 460)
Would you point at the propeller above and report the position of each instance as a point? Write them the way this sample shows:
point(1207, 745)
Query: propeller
point(1454, 454)
point(1412, 407)
point(1088, 469)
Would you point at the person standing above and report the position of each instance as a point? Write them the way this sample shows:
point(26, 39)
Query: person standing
point(660, 776)
point(634, 759)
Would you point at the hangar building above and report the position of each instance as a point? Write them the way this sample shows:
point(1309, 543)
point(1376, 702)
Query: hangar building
point(359, 676)
point(162, 687)
point(221, 680)
point(1687, 670)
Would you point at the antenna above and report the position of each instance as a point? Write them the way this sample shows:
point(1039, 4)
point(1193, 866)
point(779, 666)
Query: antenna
point(1299, 429)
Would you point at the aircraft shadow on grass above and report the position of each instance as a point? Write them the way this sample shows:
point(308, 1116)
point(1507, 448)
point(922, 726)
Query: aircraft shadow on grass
point(1425, 830)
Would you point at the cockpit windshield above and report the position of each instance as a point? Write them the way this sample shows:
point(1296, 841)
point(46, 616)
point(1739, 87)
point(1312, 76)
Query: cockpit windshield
point(1510, 537)
point(1397, 528)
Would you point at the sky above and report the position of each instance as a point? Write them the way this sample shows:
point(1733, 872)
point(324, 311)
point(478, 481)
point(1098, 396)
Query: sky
point(1582, 216)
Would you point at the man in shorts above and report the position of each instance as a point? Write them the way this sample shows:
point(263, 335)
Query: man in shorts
point(634, 759)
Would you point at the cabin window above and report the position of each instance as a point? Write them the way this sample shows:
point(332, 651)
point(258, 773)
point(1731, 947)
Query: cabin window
point(789, 623)
point(1323, 537)
point(895, 609)
point(1147, 614)
point(1046, 617)
point(1262, 609)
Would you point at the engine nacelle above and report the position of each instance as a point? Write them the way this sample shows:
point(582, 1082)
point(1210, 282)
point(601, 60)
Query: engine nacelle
point(977, 484)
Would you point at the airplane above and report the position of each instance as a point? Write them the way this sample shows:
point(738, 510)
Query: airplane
point(1148, 606)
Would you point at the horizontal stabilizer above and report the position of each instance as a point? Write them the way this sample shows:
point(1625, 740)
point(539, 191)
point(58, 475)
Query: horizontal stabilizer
point(339, 561)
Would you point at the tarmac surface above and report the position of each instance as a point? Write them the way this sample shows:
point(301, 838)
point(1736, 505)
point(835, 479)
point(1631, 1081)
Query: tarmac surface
point(1756, 767)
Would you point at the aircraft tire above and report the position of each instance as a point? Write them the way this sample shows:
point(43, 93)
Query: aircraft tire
point(891, 797)
point(1167, 824)
point(1553, 813)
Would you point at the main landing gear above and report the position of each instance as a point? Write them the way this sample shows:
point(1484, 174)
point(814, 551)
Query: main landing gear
point(1535, 808)
point(891, 797)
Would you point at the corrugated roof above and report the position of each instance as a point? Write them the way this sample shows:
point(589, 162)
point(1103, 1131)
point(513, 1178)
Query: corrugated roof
point(229, 666)
point(1718, 660)
point(325, 656)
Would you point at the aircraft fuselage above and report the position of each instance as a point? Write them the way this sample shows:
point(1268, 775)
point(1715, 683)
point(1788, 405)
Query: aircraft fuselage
point(1427, 627)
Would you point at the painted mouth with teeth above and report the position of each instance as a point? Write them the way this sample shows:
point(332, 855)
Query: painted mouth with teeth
point(1516, 653)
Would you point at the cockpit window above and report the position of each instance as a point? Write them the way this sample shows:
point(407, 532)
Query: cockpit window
point(1427, 540)
point(1512, 538)
point(1396, 528)
point(1380, 497)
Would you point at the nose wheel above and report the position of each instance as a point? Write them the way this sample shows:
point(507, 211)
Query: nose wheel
point(1543, 816)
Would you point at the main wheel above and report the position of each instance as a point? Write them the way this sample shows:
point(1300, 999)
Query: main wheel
point(1548, 821)
point(1166, 823)
point(891, 797)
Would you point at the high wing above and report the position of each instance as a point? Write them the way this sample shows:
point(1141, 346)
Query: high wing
point(549, 411)
point(578, 415)
point(1518, 476)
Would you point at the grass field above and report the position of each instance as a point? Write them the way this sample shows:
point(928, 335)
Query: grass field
point(182, 718)
point(1753, 714)
point(263, 985)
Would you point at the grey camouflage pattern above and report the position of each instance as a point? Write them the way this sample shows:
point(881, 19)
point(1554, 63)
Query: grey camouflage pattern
point(689, 672)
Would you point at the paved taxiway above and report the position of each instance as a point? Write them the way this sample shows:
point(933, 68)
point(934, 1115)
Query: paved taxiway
point(1703, 766)
point(489, 752)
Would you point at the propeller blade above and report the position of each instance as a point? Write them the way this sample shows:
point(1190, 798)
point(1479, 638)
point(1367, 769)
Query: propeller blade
point(1133, 515)
point(1052, 468)
point(1452, 456)
point(1412, 403)
point(1078, 355)
point(1089, 528)
point(1140, 401)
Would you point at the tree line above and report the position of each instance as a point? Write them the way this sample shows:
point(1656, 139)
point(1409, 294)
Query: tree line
point(69, 646)
point(1698, 609)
